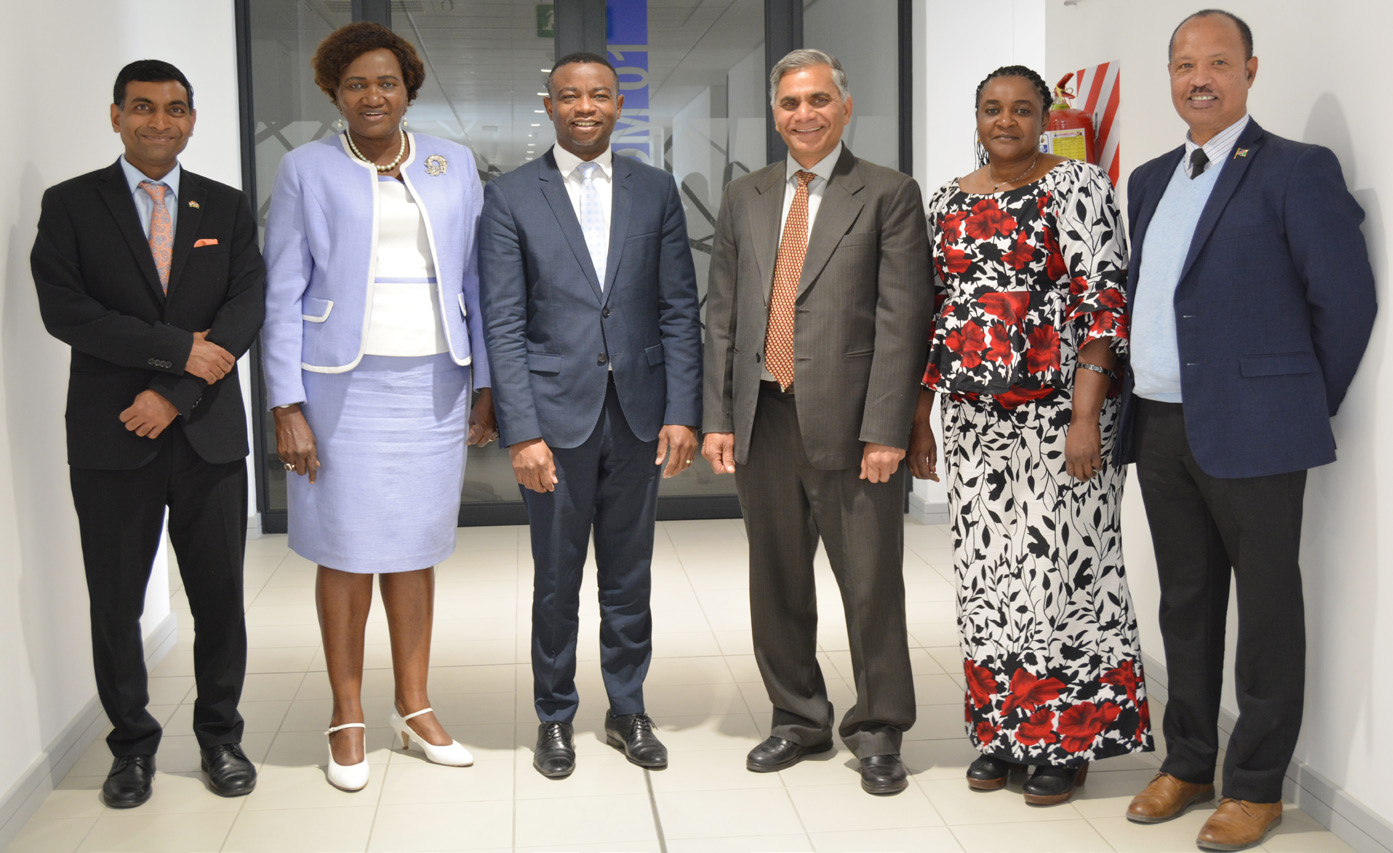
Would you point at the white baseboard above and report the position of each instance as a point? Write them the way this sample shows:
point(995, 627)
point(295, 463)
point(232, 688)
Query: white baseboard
point(927, 513)
point(1353, 822)
point(25, 796)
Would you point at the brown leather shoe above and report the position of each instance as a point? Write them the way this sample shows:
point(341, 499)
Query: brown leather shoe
point(1166, 797)
point(1237, 824)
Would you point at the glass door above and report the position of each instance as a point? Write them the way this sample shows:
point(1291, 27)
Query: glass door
point(694, 74)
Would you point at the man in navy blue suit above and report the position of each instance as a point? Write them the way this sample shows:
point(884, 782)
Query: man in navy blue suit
point(591, 320)
point(1252, 301)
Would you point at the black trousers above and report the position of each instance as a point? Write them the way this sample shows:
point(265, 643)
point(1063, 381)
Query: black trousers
point(788, 505)
point(1206, 530)
point(120, 514)
point(608, 485)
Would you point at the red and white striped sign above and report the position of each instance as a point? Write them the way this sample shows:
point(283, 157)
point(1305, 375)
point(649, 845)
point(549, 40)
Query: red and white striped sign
point(1099, 89)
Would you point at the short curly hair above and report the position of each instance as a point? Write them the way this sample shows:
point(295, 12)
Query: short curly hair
point(344, 45)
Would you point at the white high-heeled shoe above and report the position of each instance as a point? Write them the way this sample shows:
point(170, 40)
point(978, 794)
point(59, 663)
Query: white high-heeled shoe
point(452, 755)
point(347, 777)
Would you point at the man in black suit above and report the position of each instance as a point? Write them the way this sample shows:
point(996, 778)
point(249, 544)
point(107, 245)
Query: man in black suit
point(152, 275)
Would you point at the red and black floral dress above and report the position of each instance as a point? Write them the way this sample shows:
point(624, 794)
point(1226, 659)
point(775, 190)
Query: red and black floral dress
point(1026, 278)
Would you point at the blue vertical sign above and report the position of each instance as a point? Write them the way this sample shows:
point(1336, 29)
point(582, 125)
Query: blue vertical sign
point(627, 37)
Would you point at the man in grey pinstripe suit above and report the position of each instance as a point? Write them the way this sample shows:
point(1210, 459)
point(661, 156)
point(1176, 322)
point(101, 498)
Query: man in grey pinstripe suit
point(817, 449)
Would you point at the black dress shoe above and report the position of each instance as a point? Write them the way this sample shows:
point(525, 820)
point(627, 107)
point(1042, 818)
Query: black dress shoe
point(775, 753)
point(988, 773)
point(555, 757)
point(230, 772)
point(129, 782)
point(883, 774)
point(633, 733)
point(1050, 785)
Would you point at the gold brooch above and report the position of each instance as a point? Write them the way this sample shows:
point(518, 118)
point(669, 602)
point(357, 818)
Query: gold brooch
point(193, 204)
point(435, 165)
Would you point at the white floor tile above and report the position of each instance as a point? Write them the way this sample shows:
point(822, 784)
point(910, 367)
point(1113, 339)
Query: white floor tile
point(938, 839)
point(580, 820)
point(299, 830)
point(1064, 836)
point(824, 808)
point(741, 811)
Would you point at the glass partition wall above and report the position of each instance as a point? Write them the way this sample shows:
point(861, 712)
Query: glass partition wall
point(694, 75)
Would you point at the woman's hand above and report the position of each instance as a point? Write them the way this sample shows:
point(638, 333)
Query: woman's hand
point(483, 427)
point(923, 450)
point(295, 443)
point(1083, 449)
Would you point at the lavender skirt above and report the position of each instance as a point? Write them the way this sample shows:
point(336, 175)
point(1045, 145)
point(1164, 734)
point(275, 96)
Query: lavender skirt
point(391, 435)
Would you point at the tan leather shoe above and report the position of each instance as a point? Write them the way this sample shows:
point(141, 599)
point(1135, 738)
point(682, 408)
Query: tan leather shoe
point(1165, 798)
point(1237, 824)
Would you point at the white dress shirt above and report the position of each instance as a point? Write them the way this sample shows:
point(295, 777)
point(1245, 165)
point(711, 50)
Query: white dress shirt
point(1218, 147)
point(569, 165)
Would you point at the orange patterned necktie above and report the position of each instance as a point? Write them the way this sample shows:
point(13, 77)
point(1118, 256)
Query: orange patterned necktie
point(788, 268)
point(161, 230)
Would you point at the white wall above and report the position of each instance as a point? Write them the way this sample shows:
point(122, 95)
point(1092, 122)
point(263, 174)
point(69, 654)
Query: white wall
point(1315, 73)
point(76, 52)
point(950, 60)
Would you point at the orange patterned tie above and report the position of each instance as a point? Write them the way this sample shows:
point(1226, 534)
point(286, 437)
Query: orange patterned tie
point(161, 230)
point(788, 268)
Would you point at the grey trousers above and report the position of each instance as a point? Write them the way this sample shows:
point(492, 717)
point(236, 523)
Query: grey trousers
point(788, 505)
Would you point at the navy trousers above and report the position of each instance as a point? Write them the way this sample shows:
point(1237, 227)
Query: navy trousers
point(608, 484)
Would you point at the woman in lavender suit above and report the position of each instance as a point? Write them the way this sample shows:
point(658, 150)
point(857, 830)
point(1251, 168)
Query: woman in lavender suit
point(371, 345)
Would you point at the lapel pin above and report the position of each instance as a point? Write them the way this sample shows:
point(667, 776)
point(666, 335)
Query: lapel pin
point(193, 204)
point(1242, 152)
point(435, 165)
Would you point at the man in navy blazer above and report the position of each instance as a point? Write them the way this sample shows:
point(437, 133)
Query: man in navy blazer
point(591, 320)
point(1252, 301)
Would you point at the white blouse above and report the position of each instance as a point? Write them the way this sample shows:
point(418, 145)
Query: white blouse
point(404, 316)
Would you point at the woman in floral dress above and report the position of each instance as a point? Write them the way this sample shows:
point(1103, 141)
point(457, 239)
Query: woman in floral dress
point(1031, 320)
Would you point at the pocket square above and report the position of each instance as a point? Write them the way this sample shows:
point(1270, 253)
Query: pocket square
point(206, 241)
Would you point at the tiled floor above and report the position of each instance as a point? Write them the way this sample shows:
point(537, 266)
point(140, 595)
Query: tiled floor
point(703, 689)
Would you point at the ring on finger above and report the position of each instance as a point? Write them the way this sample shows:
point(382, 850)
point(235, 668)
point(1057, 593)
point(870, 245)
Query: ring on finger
point(290, 466)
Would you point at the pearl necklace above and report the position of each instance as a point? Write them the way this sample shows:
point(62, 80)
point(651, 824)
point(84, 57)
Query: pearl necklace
point(401, 152)
point(990, 175)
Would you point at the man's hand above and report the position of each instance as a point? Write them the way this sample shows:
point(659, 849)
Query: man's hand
point(207, 360)
point(295, 444)
point(1083, 450)
point(149, 414)
point(533, 465)
point(483, 427)
point(923, 450)
point(879, 461)
point(678, 443)
point(719, 450)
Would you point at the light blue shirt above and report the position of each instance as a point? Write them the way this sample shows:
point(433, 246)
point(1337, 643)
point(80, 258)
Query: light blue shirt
point(145, 205)
point(1155, 350)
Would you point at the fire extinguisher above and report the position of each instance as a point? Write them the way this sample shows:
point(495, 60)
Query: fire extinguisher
point(1069, 132)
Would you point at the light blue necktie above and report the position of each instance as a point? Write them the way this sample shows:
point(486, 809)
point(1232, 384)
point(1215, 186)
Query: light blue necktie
point(592, 220)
